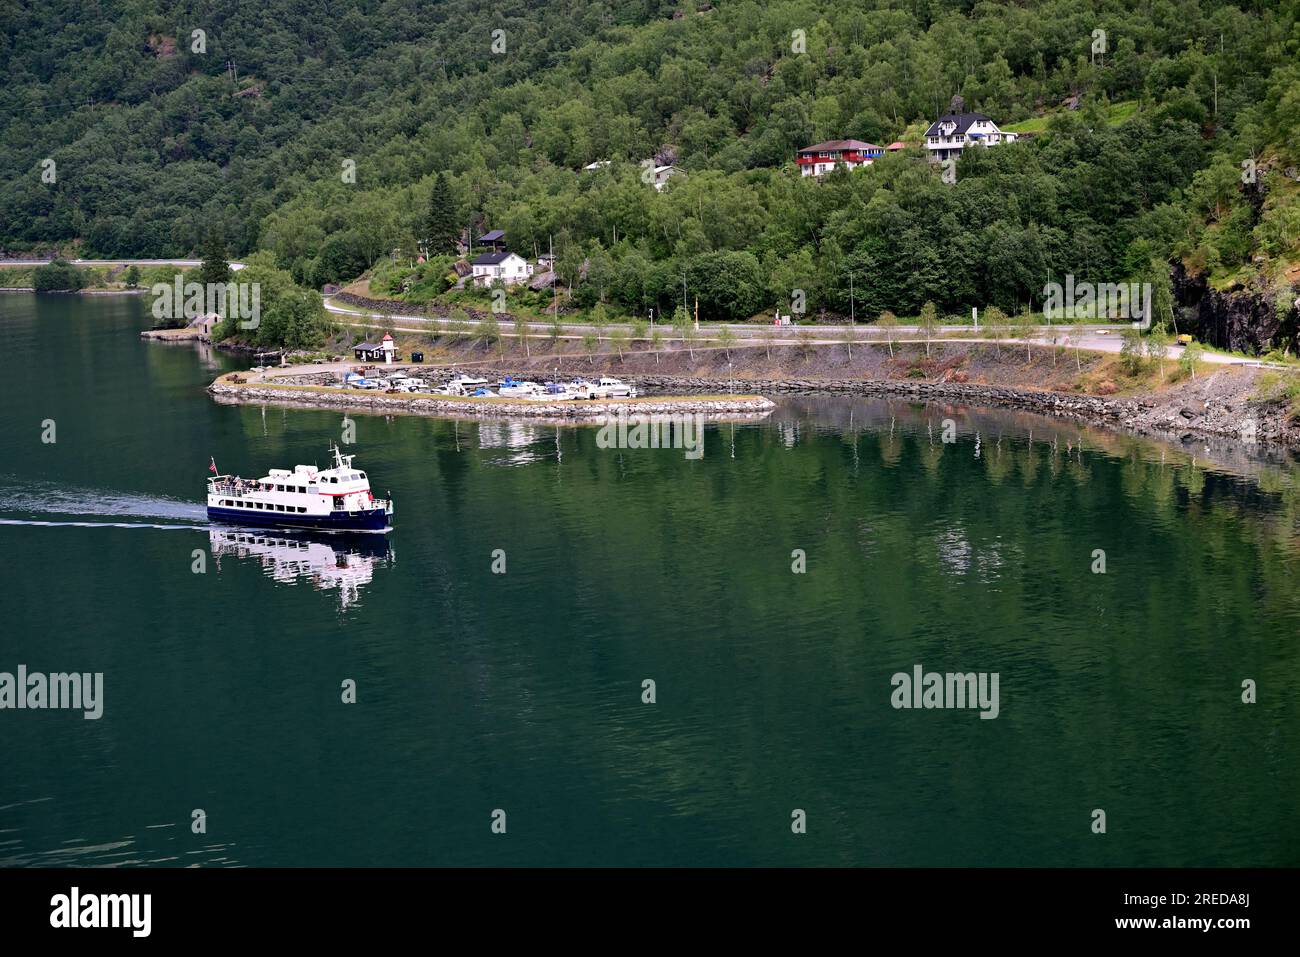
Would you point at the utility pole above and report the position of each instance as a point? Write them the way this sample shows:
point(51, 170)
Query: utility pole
point(555, 289)
point(852, 309)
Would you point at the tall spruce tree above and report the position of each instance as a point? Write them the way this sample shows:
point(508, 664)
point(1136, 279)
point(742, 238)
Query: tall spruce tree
point(215, 268)
point(441, 227)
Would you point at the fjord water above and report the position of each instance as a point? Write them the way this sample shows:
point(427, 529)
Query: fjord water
point(523, 691)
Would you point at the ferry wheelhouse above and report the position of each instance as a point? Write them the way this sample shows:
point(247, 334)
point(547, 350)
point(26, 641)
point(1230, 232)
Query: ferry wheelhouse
point(333, 499)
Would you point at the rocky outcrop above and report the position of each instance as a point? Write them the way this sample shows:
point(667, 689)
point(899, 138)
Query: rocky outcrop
point(1241, 318)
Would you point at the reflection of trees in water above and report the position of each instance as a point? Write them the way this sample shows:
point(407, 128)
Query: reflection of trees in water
point(916, 552)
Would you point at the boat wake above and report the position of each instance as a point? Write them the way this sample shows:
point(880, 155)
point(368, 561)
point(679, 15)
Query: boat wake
point(20, 521)
point(30, 504)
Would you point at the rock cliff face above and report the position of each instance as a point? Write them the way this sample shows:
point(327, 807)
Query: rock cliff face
point(1241, 318)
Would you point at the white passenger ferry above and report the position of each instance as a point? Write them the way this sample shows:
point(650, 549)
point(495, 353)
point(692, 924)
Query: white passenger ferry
point(333, 499)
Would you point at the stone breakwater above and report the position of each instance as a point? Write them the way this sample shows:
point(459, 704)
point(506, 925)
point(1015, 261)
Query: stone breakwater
point(727, 407)
point(1249, 421)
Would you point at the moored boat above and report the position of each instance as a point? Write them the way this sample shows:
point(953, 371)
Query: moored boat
point(464, 386)
point(510, 388)
point(610, 388)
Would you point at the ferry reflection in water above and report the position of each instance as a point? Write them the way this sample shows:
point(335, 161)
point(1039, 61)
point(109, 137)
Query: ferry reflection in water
point(329, 563)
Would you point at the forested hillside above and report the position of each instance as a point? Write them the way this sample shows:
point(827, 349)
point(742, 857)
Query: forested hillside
point(156, 145)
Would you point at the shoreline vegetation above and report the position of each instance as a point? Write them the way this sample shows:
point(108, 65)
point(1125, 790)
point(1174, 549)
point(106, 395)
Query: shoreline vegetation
point(66, 278)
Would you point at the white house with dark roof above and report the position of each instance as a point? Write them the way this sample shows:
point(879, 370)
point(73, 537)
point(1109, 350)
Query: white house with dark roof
point(821, 158)
point(954, 132)
point(510, 268)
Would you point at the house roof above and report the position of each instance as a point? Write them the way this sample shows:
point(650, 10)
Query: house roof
point(497, 235)
point(490, 259)
point(838, 146)
point(964, 122)
point(897, 145)
point(366, 347)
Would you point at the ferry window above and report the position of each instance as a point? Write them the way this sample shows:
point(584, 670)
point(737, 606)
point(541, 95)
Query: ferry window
point(302, 508)
point(362, 474)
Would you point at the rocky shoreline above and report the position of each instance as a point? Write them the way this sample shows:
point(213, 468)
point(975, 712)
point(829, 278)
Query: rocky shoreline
point(1250, 422)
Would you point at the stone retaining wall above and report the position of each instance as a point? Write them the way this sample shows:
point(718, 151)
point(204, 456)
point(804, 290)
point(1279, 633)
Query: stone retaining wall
point(396, 308)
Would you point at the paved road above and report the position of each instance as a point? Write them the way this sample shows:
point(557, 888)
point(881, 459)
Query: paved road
point(235, 267)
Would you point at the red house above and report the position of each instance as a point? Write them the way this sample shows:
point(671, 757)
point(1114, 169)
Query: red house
point(820, 159)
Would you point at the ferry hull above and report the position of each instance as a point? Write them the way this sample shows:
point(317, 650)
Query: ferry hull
point(371, 520)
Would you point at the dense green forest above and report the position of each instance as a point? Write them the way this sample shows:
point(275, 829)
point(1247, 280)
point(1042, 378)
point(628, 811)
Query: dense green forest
point(155, 145)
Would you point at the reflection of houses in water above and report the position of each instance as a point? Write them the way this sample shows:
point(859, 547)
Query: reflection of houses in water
point(344, 564)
